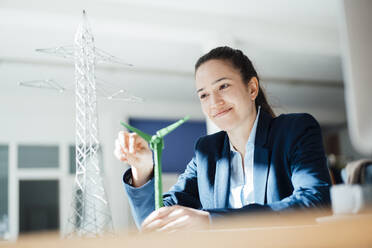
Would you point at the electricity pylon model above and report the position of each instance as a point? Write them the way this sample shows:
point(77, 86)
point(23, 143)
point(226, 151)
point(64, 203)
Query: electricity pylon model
point(110, 91)
point(157, 144)
point(106, 90)
point(91, 215)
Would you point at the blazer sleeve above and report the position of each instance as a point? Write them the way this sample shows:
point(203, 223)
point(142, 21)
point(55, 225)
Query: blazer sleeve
point(308, 171)
point(308, 166)
point(141, 199)
point(184, 192)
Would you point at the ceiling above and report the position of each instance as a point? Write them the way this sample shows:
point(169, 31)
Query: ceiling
point(294, 45)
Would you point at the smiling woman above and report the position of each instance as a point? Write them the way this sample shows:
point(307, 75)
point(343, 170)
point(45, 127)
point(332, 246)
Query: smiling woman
point(258, 162)
point(229, 92)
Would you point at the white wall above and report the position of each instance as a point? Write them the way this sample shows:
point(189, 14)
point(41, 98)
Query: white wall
point(348, 151)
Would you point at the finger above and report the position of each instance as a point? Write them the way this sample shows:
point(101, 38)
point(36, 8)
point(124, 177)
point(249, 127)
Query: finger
point(140, 142)
point(157, 214)
point(119, 155)
point(120, 149)
point(154, 215)
point(122, 141)
point(177, 212)
point(154, 225)
point(170, 216)
point(176, 224)
point(126, 142)
point(121, 138)
point(132, 142)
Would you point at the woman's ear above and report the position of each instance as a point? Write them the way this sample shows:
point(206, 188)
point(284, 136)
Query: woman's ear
point(253, 88)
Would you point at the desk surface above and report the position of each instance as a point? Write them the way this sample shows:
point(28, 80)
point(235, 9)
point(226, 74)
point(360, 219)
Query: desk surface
point(289, 230)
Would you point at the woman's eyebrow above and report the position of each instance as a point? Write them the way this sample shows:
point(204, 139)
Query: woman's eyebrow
point(220, 79)
point(214, 82)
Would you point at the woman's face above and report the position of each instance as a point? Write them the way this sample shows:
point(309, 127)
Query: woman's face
point(224, 98)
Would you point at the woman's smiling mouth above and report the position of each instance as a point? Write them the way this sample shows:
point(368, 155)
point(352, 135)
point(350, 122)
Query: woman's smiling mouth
point(222, 113)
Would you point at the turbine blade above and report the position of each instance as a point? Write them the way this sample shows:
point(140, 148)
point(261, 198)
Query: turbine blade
point(164, 131)
point(145, 136)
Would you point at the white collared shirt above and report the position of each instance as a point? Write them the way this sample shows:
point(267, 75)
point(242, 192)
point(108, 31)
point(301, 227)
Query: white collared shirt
point(241, 179)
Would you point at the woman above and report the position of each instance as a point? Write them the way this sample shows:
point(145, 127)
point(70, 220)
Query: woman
point(258, 161)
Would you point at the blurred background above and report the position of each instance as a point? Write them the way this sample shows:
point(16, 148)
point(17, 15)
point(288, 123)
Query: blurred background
point(294, 45)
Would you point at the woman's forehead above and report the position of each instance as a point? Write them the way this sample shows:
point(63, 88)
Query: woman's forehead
point(215, 64)
point(213, 70)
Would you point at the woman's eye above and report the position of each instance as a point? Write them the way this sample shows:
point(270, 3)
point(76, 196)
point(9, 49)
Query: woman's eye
point(224, 86)
point(202, 96)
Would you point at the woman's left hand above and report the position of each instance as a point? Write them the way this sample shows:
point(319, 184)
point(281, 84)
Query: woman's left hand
point(176, 218)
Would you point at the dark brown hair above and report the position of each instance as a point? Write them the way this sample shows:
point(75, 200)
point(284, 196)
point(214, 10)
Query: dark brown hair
point(242, 63)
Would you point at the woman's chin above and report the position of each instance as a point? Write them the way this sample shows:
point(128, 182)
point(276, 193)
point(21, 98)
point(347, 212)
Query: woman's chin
point(225, 125)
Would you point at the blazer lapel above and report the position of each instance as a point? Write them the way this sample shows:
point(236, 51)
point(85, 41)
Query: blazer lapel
point(261, 159)
point(222, 179)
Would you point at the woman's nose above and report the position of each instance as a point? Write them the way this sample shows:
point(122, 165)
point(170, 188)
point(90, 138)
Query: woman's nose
point(216, 100)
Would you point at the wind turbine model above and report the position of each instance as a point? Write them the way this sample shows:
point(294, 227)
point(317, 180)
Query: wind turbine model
point(157, 144)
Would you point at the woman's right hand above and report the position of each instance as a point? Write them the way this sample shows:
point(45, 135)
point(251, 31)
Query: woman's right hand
point(134, 150)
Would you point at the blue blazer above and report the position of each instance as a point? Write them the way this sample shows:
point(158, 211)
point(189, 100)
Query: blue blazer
point(289, 171)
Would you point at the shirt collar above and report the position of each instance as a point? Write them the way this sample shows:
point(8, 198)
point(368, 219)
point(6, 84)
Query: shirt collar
point(252, 135)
